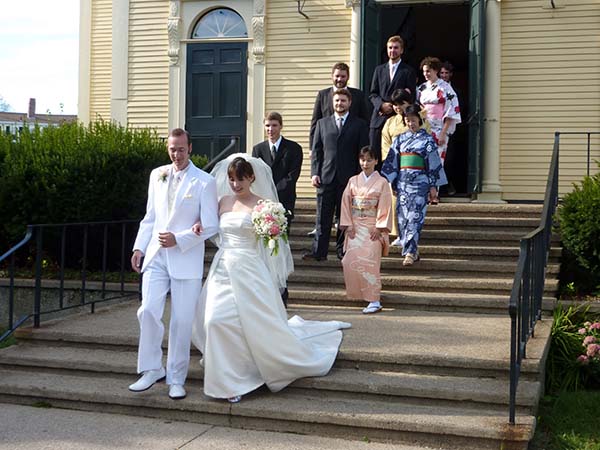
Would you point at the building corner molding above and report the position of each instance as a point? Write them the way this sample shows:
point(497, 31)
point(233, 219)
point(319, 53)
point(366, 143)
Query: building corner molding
point(85, 43)
point(120, 61)
point(174, 31)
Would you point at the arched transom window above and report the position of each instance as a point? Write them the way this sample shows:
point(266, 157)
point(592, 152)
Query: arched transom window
point(220, 23)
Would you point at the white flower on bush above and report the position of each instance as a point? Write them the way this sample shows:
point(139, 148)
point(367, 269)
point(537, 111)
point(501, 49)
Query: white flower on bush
point(270, 224)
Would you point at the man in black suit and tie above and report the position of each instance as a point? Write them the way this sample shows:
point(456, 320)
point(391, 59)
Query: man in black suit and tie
point(359, 107)
point(334, 159)
point(394, 74)
point(284, 157)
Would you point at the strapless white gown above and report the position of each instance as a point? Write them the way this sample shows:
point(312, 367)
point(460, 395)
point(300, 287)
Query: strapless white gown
point(241, 325)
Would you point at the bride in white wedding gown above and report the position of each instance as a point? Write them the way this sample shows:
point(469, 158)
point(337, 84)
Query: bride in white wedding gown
point(241, 325)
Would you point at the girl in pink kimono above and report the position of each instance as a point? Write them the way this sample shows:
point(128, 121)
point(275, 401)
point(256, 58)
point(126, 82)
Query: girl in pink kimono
point(366, 215)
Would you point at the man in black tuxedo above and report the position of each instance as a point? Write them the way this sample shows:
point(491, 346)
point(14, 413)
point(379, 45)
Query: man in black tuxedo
point(394, 74)
point(359, 107)
point(334, 159)
point(284, 157)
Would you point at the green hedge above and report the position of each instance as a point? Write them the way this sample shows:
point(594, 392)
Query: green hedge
point(579, 218)
point(74, 173)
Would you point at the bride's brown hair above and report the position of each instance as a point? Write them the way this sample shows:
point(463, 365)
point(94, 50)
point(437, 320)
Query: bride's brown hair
point(240, 169)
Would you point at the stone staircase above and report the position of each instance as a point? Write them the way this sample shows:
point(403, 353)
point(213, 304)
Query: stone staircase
point(431, 370)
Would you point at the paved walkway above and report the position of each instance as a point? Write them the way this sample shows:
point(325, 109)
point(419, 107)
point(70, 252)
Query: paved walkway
point(25, 427)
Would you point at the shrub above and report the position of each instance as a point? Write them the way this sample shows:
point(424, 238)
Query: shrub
point(74, 173)
point(580, 227)
point(565, 369)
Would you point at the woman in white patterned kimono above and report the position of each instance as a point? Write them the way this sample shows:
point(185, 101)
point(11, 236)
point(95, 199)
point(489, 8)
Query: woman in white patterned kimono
point(241, 325)
point(441, 103)
point(414, 169)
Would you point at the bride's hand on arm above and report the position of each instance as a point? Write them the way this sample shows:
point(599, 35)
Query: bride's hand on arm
point(197, 228)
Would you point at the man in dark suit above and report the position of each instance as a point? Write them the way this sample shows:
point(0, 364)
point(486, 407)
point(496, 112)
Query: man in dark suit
point(334, 159)
point(285, 159)
point(359, 107)
point(394, 74)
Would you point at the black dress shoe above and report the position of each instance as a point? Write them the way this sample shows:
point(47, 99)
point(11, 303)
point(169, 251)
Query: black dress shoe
point(340, 253)
point(313, 257)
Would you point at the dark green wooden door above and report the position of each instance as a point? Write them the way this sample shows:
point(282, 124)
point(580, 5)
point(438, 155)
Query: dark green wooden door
point(476, 87)
point(371, 43)
point(216, 83)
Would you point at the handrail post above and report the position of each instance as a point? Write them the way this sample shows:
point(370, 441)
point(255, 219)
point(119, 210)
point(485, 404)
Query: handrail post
point(37, 302)
point(11, 294)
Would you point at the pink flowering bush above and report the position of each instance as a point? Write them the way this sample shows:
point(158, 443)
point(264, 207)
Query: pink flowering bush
point(590, 356)
point(574, 358)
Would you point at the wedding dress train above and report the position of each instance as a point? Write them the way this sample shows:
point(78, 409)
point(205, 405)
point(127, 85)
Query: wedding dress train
point(241, 325)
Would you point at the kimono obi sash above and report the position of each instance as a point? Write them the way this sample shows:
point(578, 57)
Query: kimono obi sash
point(411, 160)
point(364, 207)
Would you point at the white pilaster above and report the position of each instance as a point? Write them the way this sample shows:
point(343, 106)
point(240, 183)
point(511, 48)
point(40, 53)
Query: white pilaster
point(491, 187)
point(355, 40)
point(85, 42)
point(177, 59)
point(120, 61)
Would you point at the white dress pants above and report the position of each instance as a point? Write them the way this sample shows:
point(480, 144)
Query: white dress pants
point(156, 284)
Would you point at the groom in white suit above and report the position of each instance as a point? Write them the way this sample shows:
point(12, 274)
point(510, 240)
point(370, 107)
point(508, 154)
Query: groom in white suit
point(179, 195)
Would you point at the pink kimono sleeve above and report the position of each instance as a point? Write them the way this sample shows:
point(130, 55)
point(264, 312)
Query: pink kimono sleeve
point(384, 207)
point(346, 212)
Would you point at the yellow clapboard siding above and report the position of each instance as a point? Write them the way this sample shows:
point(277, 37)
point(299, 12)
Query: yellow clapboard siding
point(295, 46)
point(549, 69)
point(100, 59)
point(148, 84)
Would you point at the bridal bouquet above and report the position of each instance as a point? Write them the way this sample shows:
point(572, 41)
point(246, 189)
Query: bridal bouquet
point(270, 224)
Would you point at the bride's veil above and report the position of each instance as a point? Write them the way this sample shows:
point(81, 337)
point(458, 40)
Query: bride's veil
point(263, 185)
point(279, 266)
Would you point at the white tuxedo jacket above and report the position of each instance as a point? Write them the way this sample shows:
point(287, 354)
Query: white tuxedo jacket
point(195, 200)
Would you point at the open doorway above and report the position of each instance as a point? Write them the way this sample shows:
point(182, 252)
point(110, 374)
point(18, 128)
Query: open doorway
point(440, 30)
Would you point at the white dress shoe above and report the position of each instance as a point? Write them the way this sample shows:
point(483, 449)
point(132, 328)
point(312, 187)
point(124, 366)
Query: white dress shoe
point(235, 399)
point(147, 380)
point(176, 391)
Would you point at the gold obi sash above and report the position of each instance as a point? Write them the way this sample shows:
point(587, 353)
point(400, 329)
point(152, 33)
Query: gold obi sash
point(411, 160)
point(364, 207)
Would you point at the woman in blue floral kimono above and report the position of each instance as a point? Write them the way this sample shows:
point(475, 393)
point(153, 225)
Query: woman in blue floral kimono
point(414, 169)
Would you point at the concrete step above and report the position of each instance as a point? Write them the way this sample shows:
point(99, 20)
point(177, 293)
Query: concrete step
point(426, 264)
point(440, 343)
point(374, 385)
point(489, 253)
point(439, 282)
point(307, 412)
point(458, 209)
point(529, 223)
point(411, 300)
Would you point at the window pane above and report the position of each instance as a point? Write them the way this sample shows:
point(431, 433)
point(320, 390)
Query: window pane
point(220, 23)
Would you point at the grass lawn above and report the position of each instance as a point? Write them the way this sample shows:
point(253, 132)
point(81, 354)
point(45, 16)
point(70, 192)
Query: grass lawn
point(570, 421)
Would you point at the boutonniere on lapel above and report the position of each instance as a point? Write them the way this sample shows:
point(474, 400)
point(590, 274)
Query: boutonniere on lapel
point(163, 176)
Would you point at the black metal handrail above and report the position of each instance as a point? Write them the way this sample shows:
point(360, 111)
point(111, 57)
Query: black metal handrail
point(119, 228)
point(525, 306)
point(222, 155)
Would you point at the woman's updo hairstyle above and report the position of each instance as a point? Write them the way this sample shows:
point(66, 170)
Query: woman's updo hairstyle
point(412, 110)
point(239, 168)
point(432, 62)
